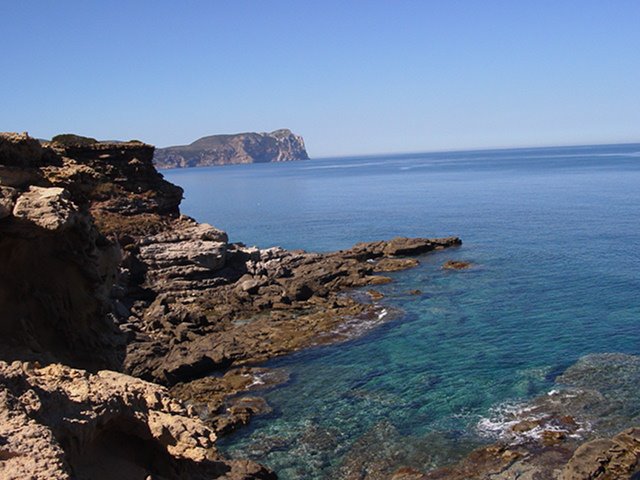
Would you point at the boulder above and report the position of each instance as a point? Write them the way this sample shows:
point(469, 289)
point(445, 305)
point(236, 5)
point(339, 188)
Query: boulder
point(195, 248)
point(50, 208)
point(207, 254)
point(606, 458)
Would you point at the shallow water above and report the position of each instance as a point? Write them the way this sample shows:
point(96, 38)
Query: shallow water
point(553, 234)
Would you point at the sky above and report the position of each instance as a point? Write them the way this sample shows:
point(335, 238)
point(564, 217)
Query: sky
point(350, 76)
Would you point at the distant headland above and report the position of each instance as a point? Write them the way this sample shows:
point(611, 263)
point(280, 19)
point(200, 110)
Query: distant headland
point(278, 146)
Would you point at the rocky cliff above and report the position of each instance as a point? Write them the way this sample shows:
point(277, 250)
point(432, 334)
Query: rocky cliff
point(114, 308)
point(278, 146)
point(68, 214)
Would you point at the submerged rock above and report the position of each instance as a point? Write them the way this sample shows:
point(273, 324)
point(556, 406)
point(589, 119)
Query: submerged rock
point(456, 265)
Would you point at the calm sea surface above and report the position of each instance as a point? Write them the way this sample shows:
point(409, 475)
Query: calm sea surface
point(554, 234)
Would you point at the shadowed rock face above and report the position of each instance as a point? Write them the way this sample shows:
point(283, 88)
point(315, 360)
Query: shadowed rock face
point(278, 146)
point(58, 269)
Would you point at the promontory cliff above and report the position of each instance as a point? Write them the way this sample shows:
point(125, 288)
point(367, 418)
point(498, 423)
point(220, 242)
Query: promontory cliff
point(278, 146)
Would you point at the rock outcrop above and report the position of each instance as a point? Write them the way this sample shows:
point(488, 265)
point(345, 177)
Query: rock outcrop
point(606, 458)
point(59, 422)
point(278, 146)
point(57, 268)
point(230, 304)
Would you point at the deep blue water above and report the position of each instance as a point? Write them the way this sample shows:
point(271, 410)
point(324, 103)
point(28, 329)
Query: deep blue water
point(554, 236)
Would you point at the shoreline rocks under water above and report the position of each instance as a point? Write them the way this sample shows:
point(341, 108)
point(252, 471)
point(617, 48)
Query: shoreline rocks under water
point(579, 430)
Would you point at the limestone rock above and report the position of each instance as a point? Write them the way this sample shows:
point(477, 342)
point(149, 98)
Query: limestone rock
point(191, 230)
point(606, 459)
point(207, 254)
point(50, 208)
point(56, 277)
point(456, 265)
point(184, 258)
point(402, 246)
point(20, 159)
point(111, 426)
point(20, 150)
point(262, 304)
point(119, 184)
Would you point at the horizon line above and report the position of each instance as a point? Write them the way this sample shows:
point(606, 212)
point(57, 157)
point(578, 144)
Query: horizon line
point(473, 149)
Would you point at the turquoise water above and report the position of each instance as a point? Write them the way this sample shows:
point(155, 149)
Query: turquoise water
point(553, 234)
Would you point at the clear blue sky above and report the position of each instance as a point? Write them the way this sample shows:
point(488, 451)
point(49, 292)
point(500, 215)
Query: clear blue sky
point(350, 76)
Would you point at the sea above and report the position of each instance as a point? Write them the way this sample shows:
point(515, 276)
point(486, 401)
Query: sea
point(553, 236)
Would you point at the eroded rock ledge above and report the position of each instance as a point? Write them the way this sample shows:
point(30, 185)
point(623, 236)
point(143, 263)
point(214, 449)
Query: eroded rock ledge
point(59, 422)
point(219, 304)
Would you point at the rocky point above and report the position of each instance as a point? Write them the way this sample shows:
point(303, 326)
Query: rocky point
point(108, 295)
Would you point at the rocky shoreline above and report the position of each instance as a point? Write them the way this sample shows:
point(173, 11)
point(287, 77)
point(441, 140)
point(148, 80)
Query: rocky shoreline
point(107, 288)
point(115, 310)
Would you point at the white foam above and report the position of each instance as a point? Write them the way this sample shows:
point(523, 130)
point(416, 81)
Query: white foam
point(353, 327)
point(256, 380)
point(501, 420)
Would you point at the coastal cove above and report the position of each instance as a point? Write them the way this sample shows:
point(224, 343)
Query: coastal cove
point(551, 234)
